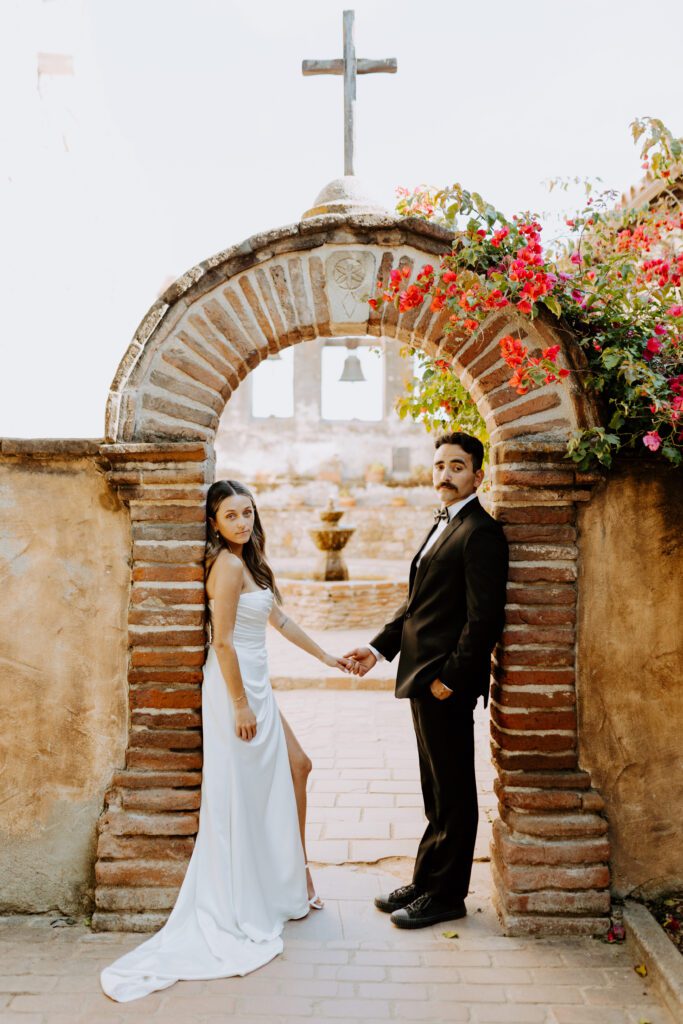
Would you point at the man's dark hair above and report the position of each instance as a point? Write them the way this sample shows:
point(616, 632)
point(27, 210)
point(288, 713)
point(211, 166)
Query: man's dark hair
point(469, 444)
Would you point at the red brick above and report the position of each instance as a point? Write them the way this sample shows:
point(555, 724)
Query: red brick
point(538, 799)
point(556, 826)
point(168, 739)
point(540, 780)
point(539, 533)
point(537, 514)
point(167, 637)
point(163, 677)
point(125, 823)
point(149, 697)
point(543, 656)
point(113, 847)
point(538, 403)
point(515, 760)
point(533, 477)
point(160, 759)
point(592, 801)
point(163, 572)
point(530, 878)
point(132, 872)
point(482, 339)
point(535, 616)
point(166, 595)
point(533, 720)
point(142, 780)
point(167, 616)
point(534, 676)
point(167, 720)
point(505, 697)
point(167, 512)
point(167, 657)
point(543, 552)
point(541, 573)
point(528, 850)
point(146, 531)
point(588, 901)
point(160, 799)
point(142, 899)
point(153, 451)
point(546, 742)
point(539, 635)
point(521, 428)
point(160, 552)
point(156, 493)
point(544, 595)
point(179, 360)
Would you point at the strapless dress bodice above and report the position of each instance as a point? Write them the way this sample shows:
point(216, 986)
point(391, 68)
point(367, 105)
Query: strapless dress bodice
point(253, 609)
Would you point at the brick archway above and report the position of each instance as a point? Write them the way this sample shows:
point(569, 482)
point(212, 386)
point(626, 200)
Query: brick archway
point(201, 338)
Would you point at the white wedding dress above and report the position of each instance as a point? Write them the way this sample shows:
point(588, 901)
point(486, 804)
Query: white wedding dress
point(247, 875)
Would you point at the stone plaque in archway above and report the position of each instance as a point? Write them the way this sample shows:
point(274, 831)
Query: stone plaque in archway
point(350, 276)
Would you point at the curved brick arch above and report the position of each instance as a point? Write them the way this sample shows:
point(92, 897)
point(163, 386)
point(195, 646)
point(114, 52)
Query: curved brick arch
point(218, 321)
point(201, 338)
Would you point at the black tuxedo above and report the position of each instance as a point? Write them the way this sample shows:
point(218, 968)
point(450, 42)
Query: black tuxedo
point(446, 629)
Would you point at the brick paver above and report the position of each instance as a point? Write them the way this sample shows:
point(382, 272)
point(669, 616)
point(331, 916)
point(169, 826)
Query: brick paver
point(347, 962)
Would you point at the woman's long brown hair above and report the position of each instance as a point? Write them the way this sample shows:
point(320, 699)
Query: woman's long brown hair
point(253, 552)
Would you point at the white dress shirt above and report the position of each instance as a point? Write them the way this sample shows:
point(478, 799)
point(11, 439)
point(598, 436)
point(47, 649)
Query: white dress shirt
point(432, 539)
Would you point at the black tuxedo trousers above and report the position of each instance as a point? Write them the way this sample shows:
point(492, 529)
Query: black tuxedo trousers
point(445, 746)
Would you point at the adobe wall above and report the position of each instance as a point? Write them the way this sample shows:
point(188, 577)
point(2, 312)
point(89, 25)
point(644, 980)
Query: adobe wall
point(630, 668)
point(64, 566)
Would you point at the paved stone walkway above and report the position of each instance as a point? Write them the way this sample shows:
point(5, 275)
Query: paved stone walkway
point(347, 962)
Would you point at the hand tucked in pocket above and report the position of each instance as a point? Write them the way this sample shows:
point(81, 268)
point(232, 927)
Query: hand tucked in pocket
point(440, 690)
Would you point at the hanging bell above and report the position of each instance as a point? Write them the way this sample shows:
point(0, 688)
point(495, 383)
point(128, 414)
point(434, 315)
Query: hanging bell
point(352, 371)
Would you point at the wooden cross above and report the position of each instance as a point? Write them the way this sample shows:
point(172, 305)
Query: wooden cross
point(349, 66)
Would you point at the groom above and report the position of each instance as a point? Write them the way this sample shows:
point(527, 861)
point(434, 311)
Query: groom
point(444, 633)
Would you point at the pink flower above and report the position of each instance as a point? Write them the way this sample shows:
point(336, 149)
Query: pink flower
point(675, 310)
point(575, 257)
point(660, 329)
point(652, 440)
point(654, 346)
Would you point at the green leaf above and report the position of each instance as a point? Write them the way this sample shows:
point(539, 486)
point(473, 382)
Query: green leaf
point(450, 935)
point(551, 303)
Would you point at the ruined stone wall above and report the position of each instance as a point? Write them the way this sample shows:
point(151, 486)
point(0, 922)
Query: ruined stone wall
point(64, 566)
point(630, 669)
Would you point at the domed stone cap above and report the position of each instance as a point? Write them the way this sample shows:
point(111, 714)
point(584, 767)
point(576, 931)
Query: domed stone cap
point(344, 195)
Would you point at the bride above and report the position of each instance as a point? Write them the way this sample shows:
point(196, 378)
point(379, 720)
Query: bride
point(248, 872)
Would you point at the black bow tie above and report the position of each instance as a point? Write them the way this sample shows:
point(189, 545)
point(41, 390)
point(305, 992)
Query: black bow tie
point(440, 513)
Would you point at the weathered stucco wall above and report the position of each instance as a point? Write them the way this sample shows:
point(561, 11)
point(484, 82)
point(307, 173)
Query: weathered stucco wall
point(630, 661)
point(64, 570)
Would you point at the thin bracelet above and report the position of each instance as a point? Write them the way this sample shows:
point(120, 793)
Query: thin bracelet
point(236, 700)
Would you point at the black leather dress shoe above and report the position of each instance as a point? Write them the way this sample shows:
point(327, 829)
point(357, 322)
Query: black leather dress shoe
point(426, 910)
point(397, 899)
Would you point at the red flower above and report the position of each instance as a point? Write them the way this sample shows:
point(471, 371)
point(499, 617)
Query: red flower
point(470, 325)
point(564, 373)
point(372, 303)
point(524, 306)
point(551, 353)
point(449, 275)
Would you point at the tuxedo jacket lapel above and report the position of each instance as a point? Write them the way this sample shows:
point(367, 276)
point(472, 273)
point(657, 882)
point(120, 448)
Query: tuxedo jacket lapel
point(413, 564)
point(455, 523)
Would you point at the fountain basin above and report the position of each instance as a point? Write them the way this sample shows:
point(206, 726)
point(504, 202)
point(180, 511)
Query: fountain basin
point(360, 603)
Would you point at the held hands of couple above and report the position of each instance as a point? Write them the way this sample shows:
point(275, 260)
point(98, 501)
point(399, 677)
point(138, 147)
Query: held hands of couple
point(361, 660)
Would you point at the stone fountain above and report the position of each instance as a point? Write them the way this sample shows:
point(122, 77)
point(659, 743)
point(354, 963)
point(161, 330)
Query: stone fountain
point(331, 540)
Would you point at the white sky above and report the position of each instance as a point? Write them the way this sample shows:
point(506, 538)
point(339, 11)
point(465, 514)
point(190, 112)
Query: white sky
point(188, 126)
